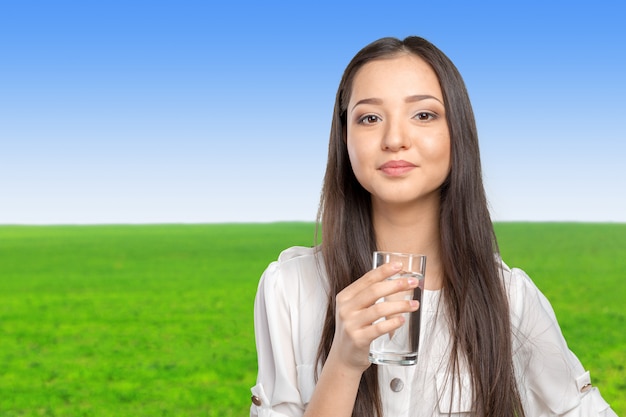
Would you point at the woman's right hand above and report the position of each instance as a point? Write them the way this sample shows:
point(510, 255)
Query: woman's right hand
point(357, 310)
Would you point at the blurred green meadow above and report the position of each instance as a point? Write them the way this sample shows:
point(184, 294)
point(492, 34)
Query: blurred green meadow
point(156, 320)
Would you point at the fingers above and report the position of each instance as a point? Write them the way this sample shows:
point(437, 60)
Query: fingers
point(358, 306)
point(382, 327)
point(375, 275)
point(373, 286)
point(393, 315)
point(358, 311)
point(391, 308)
point(368, 318)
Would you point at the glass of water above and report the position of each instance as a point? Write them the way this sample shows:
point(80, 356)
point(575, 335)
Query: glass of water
point(400, 346)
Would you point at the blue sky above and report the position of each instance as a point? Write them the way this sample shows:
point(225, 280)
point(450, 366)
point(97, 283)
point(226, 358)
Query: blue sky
point(184, 111)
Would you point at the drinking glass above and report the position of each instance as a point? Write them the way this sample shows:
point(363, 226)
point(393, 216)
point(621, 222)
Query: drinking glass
point(400, 347)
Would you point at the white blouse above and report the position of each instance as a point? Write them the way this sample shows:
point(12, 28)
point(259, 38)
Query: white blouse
point(289, 311)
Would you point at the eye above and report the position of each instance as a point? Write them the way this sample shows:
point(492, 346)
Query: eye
point(369, 119)
point(425, 116)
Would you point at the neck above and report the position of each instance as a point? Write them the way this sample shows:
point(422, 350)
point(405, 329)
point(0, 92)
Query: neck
point(411, 229)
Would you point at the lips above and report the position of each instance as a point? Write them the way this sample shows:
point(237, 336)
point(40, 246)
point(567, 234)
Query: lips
point(396, 168)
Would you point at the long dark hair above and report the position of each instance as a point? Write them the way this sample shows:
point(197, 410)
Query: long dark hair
point(473, 294)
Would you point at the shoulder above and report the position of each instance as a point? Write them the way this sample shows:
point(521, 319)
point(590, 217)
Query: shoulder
point(517, 283)
point(296, 260)
point(524, 296)
point(299, 254)
point(297, 269)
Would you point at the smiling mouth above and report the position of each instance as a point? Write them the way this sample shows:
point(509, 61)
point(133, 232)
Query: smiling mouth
point(396, 168)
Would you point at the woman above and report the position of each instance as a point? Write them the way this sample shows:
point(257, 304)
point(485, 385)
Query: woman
point(404, 175)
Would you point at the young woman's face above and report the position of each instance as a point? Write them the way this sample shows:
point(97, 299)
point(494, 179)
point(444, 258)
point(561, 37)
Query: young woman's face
point(397, 134)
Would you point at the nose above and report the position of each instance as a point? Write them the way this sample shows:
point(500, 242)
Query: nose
point(395, 136)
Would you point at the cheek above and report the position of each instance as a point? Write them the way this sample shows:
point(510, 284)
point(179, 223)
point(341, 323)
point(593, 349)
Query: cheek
point(358, 160)
point(437, 150)
point(353, 154)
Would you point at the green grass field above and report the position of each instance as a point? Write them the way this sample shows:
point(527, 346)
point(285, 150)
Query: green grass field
point(157, 320)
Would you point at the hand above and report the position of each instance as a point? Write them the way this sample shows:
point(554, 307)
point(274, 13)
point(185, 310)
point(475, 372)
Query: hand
point(357, 310)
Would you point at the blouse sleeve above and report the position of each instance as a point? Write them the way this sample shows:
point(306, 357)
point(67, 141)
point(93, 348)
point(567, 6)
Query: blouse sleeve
point(276, 392)
point(554, 380)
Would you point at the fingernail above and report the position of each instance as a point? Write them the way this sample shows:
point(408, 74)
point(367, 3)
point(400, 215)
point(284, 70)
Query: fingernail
point(396, 265)
point(414, 303)
point(411, 281)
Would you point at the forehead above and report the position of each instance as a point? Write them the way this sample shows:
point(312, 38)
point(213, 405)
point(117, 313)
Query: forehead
point(404, 74)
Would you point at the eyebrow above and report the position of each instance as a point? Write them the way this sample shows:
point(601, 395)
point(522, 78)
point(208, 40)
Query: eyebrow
point(420, 97)
point(409, 99)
